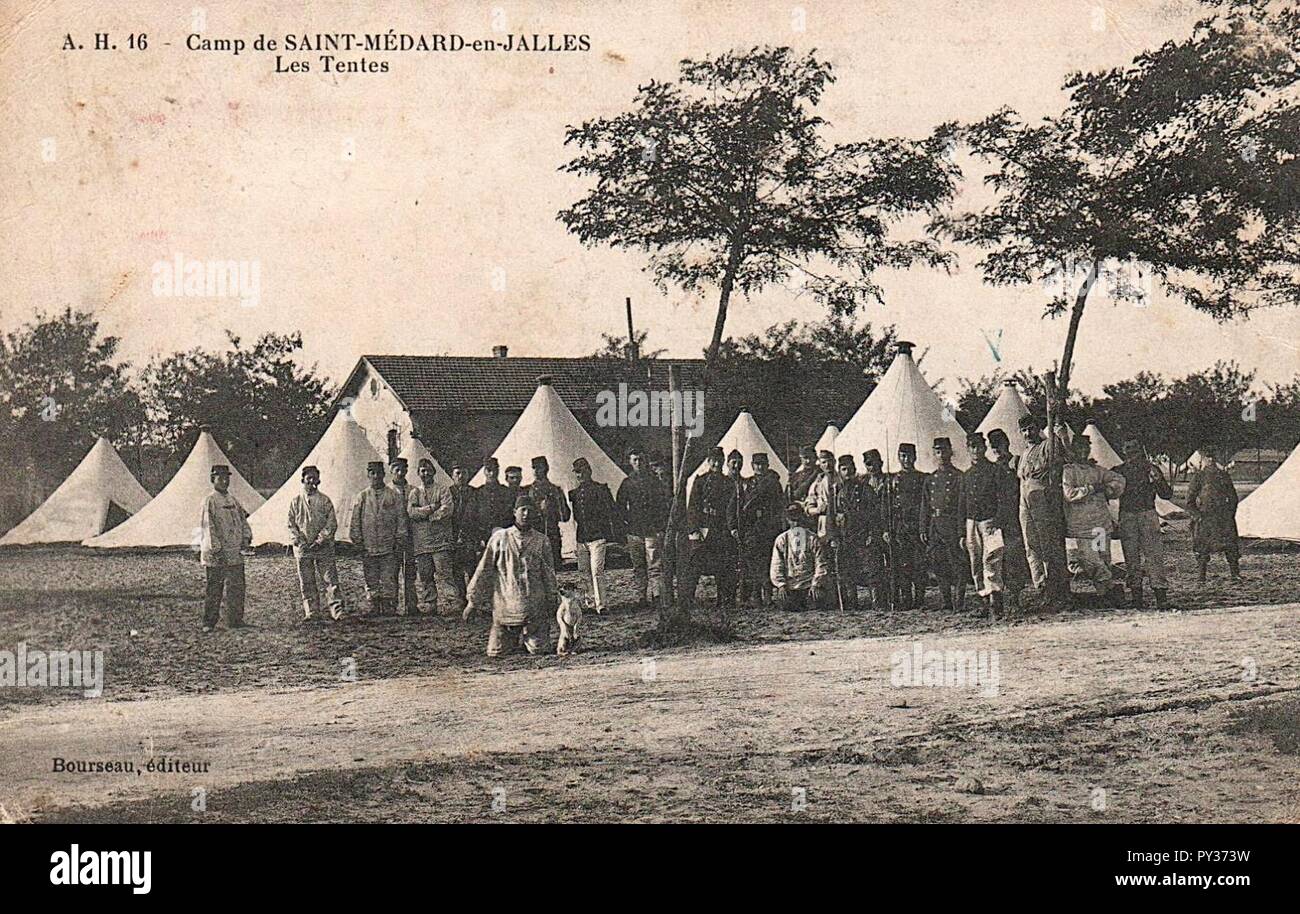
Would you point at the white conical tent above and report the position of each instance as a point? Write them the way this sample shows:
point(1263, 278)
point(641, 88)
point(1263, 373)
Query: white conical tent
point(745, 436)
point(1105, 456)
point(414, 452)
point(901, 409)
point(341, 455)
point(172, 518)
point(1273, 510)
point(1007, 411)
point(81, 505)
point(827, 441)
point(547, 429)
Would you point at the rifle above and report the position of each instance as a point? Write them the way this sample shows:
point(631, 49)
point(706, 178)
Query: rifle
point(740, 541)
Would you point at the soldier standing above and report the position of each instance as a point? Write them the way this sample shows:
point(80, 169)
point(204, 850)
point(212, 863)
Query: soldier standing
point(801, 478)
point(873, 492)
point(405, 552)
point(904, 537)
point(1212, 503)
point(1015, 567)
point(379, 524)
point(1039, 522)
point(224, 536)
point(713, 548)
point(761, 510)
point(1139, 525)
point(942, 517)
point(496, 502)
point(465, 529)
point(552, 506)
point(985, 543)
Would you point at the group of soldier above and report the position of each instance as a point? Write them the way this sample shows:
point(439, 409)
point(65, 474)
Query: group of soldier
point(832, 537)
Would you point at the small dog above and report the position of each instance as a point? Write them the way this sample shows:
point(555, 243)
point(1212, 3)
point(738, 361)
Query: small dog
point(569, 617)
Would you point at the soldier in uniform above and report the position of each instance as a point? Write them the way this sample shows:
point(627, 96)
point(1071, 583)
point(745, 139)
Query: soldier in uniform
point(405, 553)
point(904, 536)
point(713, 547)
point(1040, 521)
point(465, 529)
point(801, 478)
point(1015, 567)
point(761, 509)
point(858, 518)
point(985, 544)
point(942, 517)
point(872, 492)
point(552, 506)
point(824, 505)
point(496, 502)
point(1212, 503)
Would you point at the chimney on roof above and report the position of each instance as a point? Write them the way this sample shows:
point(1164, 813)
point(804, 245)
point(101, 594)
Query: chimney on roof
point(500, 352)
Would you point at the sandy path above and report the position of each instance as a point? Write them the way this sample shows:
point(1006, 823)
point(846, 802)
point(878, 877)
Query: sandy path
point(782, 698)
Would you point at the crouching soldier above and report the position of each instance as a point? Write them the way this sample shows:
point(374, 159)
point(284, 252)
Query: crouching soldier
point(379, 525)
point(799, 568)
point(516, 578)
point(224, 534)
point(312, 525)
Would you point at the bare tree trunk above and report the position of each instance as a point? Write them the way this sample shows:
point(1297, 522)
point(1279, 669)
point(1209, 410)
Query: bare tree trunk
point(677, 511)
point(1072, 334)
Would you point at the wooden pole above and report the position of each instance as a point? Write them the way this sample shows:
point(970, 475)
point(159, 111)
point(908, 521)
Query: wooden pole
point(632, 354)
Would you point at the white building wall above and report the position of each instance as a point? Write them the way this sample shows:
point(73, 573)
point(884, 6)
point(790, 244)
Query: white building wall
point(377, 410)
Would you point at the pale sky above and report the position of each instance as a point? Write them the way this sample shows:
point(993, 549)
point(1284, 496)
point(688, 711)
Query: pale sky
point(383, 210)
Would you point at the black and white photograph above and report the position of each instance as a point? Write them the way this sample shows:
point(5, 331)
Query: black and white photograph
point(879, 413)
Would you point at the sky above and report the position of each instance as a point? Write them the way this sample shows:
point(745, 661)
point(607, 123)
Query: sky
point(413, 211)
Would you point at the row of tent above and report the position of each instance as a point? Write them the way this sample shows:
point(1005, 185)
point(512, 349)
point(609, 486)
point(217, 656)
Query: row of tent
point(902, 408)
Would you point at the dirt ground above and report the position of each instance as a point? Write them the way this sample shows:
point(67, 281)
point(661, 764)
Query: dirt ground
point(1102, 714)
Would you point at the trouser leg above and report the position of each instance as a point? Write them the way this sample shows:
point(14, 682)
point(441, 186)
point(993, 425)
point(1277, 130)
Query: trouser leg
point(406, 569)
point(372, 572)
point(215, 585)
point(307, 586)
point(1132, 545)
point(449, 581)
point(1033, 536)
point(235, 594)
point(636, 550)
point(599, 580)
point(327, 570)
point(426, 583)
point(1153, 550)
point(654, 559)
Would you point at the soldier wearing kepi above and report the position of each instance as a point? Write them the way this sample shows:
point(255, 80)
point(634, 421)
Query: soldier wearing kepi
point(465, 527)
point(379, 524)
point(496, 503)
point(943, 520)
point(873, 492)
point(1212, 503)
point(985, 542)
point(431, 510)
point(1139, 525)
point(1015, 567)
point(552, 506)
point(224, 534)
point(399, 467)
point(802, 477)
point(598, 523)
point(1041, 528)
point(312, 525)
point(643, 504)
point(712, 546)
point(904, 537)
point(762, 509)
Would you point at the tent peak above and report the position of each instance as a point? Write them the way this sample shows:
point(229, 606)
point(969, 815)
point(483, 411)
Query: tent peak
point(544, 380)
point(904, 347)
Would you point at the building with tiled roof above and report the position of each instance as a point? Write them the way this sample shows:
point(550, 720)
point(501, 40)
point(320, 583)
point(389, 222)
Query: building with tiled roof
point(462, 407)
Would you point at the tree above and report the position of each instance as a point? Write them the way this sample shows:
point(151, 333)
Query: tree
point(976, 397)
point(723, 179)
point(1178, 171)
point(62, 385)
point(263, 408)
point(1217, 409)
point(615, 347)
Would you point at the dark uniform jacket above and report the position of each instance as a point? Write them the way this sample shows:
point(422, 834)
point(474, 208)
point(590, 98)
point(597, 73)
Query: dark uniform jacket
point(643, 502)
point(465, 518)
point(800, 482)
point(594, 512)
point(1142, 483)
point(979, 490)
point(709, 502)
point(761, 509)
point(941, 501)
point(550, 501)
point(496, 506)
point(905, 500)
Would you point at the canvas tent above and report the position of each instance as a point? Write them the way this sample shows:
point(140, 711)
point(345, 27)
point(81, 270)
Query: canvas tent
point(172, 518)
point(97, 495)
point(1007, 411)
point(1105, 456)
point(745, 436)
point(827, 441)
point(902, 408)
point(1273, 510)
point(414, 451)
point(547, 429)
point(341, 455)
